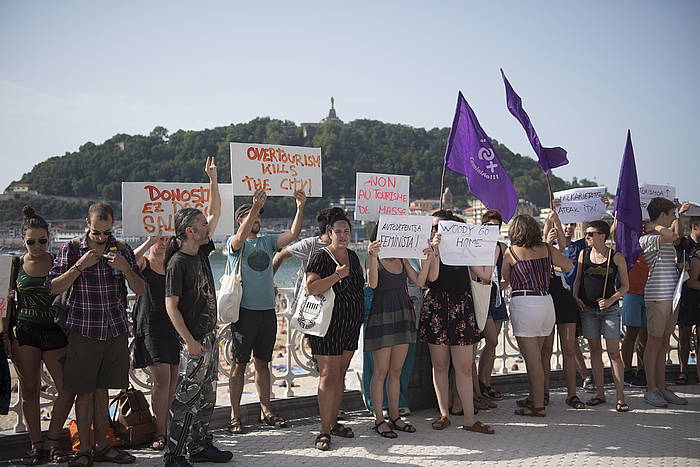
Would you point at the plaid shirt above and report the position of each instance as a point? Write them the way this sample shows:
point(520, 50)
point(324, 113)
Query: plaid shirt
point(96, 303)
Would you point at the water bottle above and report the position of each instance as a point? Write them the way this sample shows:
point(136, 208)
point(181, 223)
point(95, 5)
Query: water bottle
point(115, 272)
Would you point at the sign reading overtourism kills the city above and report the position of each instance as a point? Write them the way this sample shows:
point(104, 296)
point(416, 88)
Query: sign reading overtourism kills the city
point(149, 208)
point(5, 263)
point(377, 194)
point(581, 204)
point(648, 192)
point(403, 236)
point(279, 170)
point(467, 244)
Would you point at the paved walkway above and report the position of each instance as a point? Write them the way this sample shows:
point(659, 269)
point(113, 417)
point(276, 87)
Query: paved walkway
point(595, 437)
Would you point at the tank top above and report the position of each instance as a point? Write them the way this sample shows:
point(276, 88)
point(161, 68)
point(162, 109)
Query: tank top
point(150, 315)
point(33, 300)
point(451, 279)
point(531, 274)
point(593, 278)
point(390, 282)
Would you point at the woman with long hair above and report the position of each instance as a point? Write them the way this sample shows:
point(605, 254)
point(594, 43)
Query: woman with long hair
point(33, 338)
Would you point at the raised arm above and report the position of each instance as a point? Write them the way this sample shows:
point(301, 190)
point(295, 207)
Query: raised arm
point(279, 258)
point(561, 261)
point(372, 264)
point(246, 226)
point(285, 238)
point(215, 199)
point(141, 250)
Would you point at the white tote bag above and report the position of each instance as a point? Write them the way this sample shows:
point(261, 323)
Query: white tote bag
point(481, 296)
point(228, 302)
point(313, 313)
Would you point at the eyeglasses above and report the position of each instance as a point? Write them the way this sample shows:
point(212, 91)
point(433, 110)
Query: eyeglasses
point(590, 234)
point(97, 233)
point(42, 241)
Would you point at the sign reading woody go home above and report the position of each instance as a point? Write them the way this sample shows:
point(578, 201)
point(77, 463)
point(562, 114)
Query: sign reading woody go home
point(279, 170)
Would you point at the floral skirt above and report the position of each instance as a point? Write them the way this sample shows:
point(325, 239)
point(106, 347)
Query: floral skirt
point(448, 319)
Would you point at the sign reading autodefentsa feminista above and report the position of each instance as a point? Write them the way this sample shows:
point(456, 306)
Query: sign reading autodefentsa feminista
point(279, 170)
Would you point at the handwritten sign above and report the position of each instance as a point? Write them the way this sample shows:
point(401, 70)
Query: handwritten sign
point(694, 210)
point(5, 265)
point(467, 244)
point(150, 207)
point(279, 170)
point(648, 192)
point(581, 204)
point(403, 236)
point(377, 194)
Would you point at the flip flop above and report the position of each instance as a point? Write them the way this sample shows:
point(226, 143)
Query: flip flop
point(622, 407)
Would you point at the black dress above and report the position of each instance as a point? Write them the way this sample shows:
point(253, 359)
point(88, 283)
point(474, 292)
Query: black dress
point(155, 338)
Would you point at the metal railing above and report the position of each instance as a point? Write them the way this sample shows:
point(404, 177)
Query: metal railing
point(298, 361)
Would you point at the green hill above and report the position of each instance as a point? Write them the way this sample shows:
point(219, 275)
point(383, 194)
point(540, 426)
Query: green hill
point(97, 170)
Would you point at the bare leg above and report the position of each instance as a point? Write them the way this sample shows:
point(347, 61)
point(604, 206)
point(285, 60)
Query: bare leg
point(382, 361)
point(684, 335)
point(27, 360)
point(263, 385)
point(628, 345)
point(101, 417)
point(531, 350)
point(160, 397)
point(329, 370)
point(581, 362)
point(64, 401)
point(440, 359)
point(235, 387)
point(567, 341)
point(488, 353)
point(393, 386)
point(596, 347)
point(641, 346)
point(654, 348)
point(547, 348)
point(340, 391)
point(462, 360)
point(618, 367)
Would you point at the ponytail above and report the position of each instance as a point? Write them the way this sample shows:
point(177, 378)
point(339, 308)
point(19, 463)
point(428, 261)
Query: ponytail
point(170, 250)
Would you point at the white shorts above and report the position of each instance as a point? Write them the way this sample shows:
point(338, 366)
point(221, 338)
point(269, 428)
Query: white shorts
point(532, 315)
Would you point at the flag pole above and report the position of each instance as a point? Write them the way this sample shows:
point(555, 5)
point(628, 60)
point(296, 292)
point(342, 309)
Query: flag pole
point(549, 187)
point(442, 182)
point(607, 265)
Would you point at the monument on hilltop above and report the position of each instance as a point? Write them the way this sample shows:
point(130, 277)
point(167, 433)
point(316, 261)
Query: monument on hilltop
point(309, 129)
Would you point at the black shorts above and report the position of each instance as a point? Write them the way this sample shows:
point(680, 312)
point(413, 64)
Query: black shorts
point(255, 332)
point(44, 338)
point(565, 307)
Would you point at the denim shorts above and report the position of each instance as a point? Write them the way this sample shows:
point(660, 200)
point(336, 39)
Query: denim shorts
point(595, 323)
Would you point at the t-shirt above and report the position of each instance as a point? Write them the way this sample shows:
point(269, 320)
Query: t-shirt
point(638, 276)
point(686, 248)
point(572, 252)
point(256, 271)
point(303, 248)
point(189, 277)
point(663, 273)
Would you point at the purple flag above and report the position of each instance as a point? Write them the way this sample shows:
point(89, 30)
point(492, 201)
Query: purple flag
point(628, 210)
point(469, 152)
point(549, 158)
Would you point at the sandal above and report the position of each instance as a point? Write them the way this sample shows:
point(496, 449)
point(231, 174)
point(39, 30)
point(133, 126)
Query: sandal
point(391, 434)
point(595, 401)
point(441, 423)
point(622, 407)
point(159, 444)
point(406, 427)
point(121, 457)
point(527, 402)
point(235, 426)
point(323, 442)
point(274, 420)
point(490, 392)
point(343, 431)
point(342, 415)
point(682, 379)
point(479, 427)
point(56, 454)
point(37, 456)
point(531, 411)
point(458, 414)
point(75, 461)
point(480, 403)
point(575, 402)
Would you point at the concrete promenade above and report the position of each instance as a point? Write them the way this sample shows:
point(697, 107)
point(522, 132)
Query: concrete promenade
point(593, 437)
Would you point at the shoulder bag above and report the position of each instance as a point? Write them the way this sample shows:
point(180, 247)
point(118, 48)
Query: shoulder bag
point(228, 301)
point(313, 313)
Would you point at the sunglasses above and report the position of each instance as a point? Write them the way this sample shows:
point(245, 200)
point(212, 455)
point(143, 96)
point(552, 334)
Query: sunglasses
point(97, 233)
point(590, 234)
point(42, 241)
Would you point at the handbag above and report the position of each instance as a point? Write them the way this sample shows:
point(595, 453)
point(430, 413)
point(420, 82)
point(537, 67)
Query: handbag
point(313, 313)
point(228, 301)
point(481, 296)
point(132, 420)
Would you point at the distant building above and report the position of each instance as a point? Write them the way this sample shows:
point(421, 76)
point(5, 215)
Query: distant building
point(424, 206)
point(309, 130)
point(348, 204)
point(20, 188)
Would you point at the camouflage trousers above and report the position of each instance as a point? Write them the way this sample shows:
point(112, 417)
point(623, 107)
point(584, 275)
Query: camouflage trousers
point(194, 401)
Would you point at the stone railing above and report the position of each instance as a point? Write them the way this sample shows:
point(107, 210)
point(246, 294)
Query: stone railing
point(298, 362)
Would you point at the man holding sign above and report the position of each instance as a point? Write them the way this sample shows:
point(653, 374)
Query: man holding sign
point(256, 329)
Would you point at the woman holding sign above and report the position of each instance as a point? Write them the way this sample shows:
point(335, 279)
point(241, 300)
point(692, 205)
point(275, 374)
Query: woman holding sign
point(338, 267)
point(527, 267)
point(448, 325)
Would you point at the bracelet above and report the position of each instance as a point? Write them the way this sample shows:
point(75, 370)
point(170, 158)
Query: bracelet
point(339, 278)
point(76, 267)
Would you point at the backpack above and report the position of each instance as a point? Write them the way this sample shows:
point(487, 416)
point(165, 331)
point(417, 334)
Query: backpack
point(132, 420)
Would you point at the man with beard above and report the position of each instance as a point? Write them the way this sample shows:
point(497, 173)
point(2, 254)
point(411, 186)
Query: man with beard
point(256, 329)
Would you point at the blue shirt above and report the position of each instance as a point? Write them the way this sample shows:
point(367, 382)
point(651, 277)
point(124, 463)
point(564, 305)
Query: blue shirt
point(256, 271)
point(572, 251)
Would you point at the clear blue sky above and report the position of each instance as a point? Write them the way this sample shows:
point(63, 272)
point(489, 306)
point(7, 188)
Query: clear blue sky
point(72, 72)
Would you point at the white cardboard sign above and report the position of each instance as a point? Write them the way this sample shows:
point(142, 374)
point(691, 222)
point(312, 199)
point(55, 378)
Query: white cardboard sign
point(150, 207)
point(5, 265)
point(279, 170)
point(581, 204)
point(467, 244)
point(377, 194)
point(648, 192)
point(694, 210)
point(403, 236)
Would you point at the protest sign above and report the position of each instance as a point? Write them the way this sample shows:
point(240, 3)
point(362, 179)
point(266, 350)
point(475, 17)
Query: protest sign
point(5, 264)
point(648, 192)
point(403, 236)
point(581, 204)
point(694, 210)
point(150, 207)
point(279, 170)
point(467, 244)
point(377, 194)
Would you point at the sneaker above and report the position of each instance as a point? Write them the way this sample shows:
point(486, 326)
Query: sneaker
point(176, 461)
point(211, 453)
point(655, 398)
point(672, 398)
point(588, 385)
